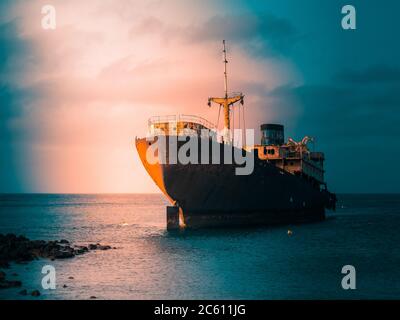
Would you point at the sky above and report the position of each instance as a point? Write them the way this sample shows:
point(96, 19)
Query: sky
point(73, 99)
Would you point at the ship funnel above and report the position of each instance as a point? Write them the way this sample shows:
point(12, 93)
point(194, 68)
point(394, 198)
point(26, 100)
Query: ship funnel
point(272, 134)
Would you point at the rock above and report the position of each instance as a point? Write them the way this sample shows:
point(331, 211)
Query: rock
point(35, 293)
point(98, 246)
point(70, 278)
point(5, 284)
point(50, 246)
point(81, 248)
point(65, 286)
point(22, 238)
point(93, 297)
point(103, 247)
point(37, 244)
point(63, 255)
point(79, 252)
point(16, 283)
point(20, 249)
point(92, 246)
point(23, 292)
point(11, 237)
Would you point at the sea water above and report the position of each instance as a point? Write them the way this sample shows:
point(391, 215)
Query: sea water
point(251, 263)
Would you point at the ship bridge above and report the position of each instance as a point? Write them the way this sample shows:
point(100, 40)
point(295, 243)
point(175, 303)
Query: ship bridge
point(293, 156)
point(181, 125)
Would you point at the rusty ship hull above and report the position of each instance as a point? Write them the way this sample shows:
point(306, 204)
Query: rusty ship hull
point(212, 195)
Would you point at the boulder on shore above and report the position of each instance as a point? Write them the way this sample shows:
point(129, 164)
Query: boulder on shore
point(23, 292)
point(6, 284)
point(35, 293)
point(20, 249)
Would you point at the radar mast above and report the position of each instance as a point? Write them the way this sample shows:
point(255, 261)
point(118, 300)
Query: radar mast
point(227, 101)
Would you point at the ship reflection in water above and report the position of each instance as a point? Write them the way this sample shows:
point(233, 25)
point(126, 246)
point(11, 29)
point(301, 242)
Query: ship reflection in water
point(259, 263)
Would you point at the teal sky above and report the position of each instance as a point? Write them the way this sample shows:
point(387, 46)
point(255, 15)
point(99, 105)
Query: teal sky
point(350, 97)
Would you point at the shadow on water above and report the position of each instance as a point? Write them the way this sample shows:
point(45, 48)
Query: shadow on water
point(246, 230)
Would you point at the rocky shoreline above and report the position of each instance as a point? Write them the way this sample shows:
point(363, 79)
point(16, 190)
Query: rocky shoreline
point(20, 249)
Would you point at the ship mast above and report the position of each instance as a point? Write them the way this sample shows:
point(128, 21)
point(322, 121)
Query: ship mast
point(225, 72)
point(227, 101)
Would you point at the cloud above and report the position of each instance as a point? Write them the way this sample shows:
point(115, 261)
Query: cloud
point(262, 34)
point(357, 129)
point(15, 54)
point(345, 113)
point(246, 28)
point(73, 99)
point(15, 59)
point(378, 74)
point(77, 96)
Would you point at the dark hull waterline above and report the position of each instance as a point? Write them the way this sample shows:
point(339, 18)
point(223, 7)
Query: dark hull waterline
point(212, 195)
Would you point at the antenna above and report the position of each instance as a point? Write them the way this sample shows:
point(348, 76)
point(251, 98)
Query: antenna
point(225, 70)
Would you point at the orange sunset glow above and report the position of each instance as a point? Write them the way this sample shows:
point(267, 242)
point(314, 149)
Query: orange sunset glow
point(108, 67)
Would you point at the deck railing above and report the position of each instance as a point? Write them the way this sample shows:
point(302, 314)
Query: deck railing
point(181, 118)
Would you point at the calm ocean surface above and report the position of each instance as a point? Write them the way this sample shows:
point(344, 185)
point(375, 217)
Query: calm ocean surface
point(259, 263)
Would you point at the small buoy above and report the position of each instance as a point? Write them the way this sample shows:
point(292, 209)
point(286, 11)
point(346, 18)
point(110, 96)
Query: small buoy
point(35, 293)
point(289, 232)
